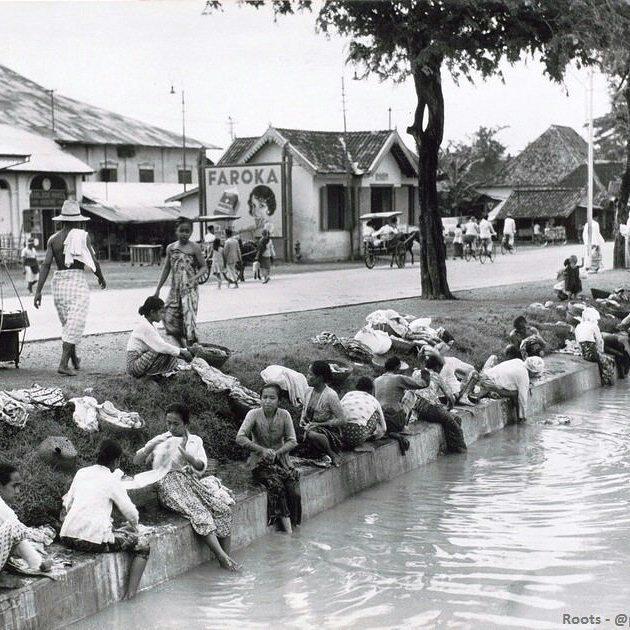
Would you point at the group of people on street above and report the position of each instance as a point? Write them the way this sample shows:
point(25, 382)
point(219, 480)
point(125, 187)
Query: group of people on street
point(473, 233)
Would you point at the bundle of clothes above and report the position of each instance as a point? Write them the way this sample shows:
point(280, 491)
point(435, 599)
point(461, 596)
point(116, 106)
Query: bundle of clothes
point(17, 404)
point(89, 415)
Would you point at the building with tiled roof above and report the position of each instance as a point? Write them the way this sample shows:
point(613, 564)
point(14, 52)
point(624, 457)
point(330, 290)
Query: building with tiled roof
point(118, 148)
point(330, 181)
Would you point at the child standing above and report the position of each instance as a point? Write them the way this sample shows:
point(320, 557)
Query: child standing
point(572, 282)
point(218, 261)
point(596, 258)
point(31, 266)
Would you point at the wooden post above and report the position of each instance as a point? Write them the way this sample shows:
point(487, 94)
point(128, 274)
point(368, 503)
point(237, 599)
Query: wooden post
point(109, 244)
point(287, 203)
point(201, 177)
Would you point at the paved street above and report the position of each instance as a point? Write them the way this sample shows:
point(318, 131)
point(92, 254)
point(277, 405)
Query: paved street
point(116, 311)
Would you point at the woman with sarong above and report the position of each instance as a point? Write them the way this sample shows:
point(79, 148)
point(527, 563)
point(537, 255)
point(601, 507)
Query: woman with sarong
point(179, 460)
point(322, 413)
point(147, 353)
point(365, 419)
point(589, 336)
point(269, 433)
point(185, 263)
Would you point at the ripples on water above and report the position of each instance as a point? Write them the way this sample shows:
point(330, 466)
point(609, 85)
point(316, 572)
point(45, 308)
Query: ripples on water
point(530, 524)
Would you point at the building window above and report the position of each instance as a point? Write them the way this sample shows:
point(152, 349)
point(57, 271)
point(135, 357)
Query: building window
point(333, 208)
point(382, 199)
point(147, 175)
point(184, 176)
point(413, 193)
point(109, 174)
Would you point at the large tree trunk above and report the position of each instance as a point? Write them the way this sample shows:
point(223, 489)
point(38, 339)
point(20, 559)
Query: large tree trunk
point(621, 214)
point(428, 140)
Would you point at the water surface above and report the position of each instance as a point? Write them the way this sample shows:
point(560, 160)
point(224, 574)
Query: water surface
point(532, 523)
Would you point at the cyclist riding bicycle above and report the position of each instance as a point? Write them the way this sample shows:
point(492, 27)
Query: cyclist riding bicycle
point(486, 232)
point(509, 232)
point(471, 232)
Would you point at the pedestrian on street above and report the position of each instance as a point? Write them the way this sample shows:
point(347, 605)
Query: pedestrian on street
point(72, 251)
point(31, 266)
point(232, 254)
point(265, 255)
point(458, 242)
point(218, 261)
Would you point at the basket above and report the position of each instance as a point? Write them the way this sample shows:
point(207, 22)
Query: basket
point(15, 320)
point(598, 294)
point(213, 354)
point(341, 373)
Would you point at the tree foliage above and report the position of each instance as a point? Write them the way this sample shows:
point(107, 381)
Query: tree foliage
point(466, 164)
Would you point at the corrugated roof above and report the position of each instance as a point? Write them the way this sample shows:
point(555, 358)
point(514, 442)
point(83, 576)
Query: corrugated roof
point(26, 104)
point(45, 155)
point(325, 149)
point(534, 203)
point(130, 193)
point(545, 161)
point(132, 214)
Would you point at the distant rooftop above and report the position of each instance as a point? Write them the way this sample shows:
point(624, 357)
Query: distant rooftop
point(26, 104)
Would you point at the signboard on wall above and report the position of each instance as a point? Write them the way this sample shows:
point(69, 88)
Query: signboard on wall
point(252, 192)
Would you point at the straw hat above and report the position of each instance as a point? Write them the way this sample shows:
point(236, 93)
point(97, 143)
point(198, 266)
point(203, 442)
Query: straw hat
point(71, 212)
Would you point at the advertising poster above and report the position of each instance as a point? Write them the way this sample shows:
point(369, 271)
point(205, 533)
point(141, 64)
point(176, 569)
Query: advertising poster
point(251, 192)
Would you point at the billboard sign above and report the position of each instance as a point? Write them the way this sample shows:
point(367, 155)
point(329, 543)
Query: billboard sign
point(253, 192)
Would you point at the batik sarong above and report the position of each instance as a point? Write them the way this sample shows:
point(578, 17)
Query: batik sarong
point(71, 294)
point(284, 499)
point(12, 532)
point(187, 495)
point(149, 363)
point(180, 310)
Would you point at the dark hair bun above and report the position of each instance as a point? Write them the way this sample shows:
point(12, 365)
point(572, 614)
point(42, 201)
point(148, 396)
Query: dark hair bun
point(152, 303)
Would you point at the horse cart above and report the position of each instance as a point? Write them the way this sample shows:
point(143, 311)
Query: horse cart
point(393, 247)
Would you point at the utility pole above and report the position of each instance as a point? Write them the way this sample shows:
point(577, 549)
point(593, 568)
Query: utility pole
point(389, 117)
point(589, 202)
point(183, 134)
point(231, 125)
point(52, 110)
point(348, 205)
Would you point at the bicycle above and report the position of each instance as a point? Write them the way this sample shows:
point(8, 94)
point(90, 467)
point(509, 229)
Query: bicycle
point(469, 251)
point(485, 251)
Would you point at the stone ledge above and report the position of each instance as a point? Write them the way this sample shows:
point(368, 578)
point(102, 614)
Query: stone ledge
point(97, 581)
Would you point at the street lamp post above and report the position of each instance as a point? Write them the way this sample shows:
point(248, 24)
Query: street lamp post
point(183, 133)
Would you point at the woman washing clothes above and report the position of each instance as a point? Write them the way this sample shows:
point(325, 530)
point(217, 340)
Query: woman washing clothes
point(147, 353)
point(185, 263)
point(322, 413)
point(269, 434)
point(87, 524)
point(364, 415)
point(179, 460)
point(589, 336)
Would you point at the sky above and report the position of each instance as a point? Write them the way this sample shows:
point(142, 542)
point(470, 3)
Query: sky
point(124, 56)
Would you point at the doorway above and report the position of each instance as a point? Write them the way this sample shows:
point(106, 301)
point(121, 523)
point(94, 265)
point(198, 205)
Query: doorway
point(382, 199)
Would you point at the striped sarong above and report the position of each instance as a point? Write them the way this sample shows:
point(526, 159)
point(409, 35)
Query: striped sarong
point(12, 532)
point(149, 363)
point(71, 293)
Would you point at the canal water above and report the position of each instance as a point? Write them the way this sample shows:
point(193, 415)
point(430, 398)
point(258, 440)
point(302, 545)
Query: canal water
point(533, 523)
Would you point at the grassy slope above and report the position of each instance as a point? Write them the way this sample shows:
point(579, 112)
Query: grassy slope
point(479, 321)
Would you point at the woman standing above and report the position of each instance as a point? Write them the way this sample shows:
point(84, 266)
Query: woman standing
point(322, 414)
point(147, 353)
point(218, 261)
point(268, 432)
point(187, 263)
point(180, 459)
point(31, 266)
point(87, 525)
point(265, 254)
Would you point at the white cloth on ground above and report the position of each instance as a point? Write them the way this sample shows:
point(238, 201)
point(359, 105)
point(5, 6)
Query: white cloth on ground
point(89, 501)
point(75, 248)
point(377, 341)
point(293, 382)
point(146, 337)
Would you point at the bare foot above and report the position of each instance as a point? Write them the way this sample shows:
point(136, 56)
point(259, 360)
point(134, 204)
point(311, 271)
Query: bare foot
point(66, 371)
point(230, 565)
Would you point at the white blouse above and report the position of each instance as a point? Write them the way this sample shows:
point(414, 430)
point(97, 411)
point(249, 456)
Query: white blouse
point(166, 455)
point(589, 331)
point(89, 502)
point(146, 337)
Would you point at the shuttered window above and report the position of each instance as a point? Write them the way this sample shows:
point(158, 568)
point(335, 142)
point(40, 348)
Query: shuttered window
point(332, 208)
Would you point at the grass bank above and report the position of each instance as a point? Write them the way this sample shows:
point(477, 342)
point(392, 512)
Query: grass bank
point(479, 320)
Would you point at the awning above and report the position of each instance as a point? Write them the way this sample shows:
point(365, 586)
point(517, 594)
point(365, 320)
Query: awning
point(379, 215)
point(132, 214)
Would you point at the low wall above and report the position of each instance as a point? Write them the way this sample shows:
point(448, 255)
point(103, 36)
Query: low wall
point(96, 581)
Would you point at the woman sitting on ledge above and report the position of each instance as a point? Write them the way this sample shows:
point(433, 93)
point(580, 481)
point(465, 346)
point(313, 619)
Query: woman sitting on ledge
point(180, 459)
point(147, 353)
point(87, 525)
point(269, 433)
point(322, 414)
point(365, 419)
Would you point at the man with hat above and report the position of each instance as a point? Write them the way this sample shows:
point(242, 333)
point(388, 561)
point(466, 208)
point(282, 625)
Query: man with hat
point(72, 251)
point(31, 266)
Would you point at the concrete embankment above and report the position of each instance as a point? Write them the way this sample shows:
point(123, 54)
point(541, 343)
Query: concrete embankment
point(95, 582)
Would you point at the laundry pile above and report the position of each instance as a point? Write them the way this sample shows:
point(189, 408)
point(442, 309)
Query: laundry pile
point(293, 382)
point(90, 416)
point(12, 412)
point(216, 381)
point(352, 348)
point(17, 404)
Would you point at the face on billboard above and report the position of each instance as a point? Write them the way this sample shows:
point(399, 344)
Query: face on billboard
point(259, 187)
